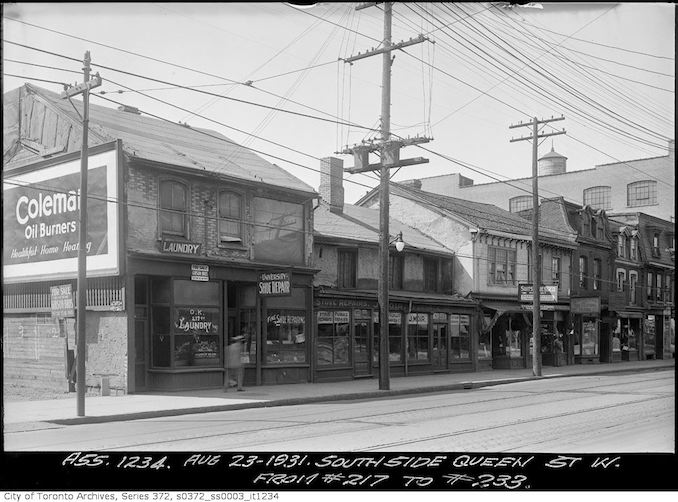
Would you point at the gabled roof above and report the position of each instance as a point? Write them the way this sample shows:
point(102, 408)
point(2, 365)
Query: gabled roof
point(361, 224)
point(167, 143)
point(486, 217)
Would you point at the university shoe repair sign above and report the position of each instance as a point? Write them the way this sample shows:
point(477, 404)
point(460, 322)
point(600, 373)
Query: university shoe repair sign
point(41, 220)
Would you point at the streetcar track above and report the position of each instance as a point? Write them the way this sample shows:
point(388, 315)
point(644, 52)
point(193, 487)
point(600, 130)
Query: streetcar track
point(297, 422)
point(496, 427)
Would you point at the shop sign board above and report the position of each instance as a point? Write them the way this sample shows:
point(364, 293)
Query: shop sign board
point(62, 301)
point(589, 305)
point(41, 221)
point(177, 247)
point(546, 293)
point(274, 284)
point(200, 272)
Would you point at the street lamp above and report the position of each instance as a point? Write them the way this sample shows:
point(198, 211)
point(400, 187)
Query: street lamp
point(399, 243)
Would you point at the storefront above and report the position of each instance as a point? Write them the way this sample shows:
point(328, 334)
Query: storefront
point(187, 309)
point(427, 333)
point(508, 328)
point(626, 336)
point(556, 344)
point(585, 329)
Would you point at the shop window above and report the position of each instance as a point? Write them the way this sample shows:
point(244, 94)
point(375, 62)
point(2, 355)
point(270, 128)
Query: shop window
point(598, 197)
point(485, 341)
point(333, 338)
point(396, 264)
point(395, 336)
point(583, 272)
point(502, 266)
point(586, 341)
point(230, 217)
point(431, 274)
point(197, 323)
point(641, 193)
point(285, 336)
point(173, 208)
point(185, 323)
point(348, 268)
point(460, 336)
point(597, 274)
point(417, 337)
point(284, 322)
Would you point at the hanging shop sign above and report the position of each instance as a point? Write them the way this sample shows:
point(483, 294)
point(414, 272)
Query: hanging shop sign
point(589, 305)
point(41, 221)
point(200, 272)
point(62, 301)
point(177, 247)
point(546, 293)
point(274, 284)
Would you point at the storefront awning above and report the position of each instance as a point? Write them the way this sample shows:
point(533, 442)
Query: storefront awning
point(631, 315)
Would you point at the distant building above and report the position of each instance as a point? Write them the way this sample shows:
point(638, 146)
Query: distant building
point(646, 185)
point(192, 239)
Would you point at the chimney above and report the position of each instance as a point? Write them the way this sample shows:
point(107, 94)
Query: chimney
point(332, 183)
point(129, 109)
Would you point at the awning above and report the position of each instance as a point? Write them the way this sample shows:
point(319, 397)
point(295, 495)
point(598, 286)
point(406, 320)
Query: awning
point(632, 315)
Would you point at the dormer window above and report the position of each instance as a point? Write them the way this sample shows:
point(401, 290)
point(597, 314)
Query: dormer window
point(655, 245)
point(634, 248)
point(621, 246)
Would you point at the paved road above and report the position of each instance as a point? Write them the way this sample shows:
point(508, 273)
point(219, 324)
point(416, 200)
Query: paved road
point(587, 414)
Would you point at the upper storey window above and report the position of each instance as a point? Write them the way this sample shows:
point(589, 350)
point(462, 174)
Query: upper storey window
point(230, 217)
point(520, 203)
point(173, 208)
point(598, 197)
point(642, 193)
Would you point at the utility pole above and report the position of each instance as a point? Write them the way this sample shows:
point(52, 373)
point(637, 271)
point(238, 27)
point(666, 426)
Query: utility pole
point(390, 157)
point(81, 345)
point(536, 265)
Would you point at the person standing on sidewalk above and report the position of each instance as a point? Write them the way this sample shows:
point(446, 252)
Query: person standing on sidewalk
point(234, 370)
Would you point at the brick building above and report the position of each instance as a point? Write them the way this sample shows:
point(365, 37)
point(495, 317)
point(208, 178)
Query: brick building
point(619, 187)
point(186, 232)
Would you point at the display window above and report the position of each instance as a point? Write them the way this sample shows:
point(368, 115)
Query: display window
point(649, 337)
point(417, 337)
point(186, 323)
point(586, 341)
point(285, 336)
point(333, 337)
point(460, 336)
point(395, 336)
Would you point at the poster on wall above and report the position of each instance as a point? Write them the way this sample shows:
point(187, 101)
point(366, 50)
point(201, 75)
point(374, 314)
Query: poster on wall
point(41, 221)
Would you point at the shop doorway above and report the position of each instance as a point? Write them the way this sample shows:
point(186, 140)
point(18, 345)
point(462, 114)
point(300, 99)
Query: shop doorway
point(362, 340)
point(440, 345)
point(141, 332)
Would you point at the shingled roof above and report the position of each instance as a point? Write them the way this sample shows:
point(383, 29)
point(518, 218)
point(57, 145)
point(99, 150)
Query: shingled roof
point(156, 140)
point(361, 224)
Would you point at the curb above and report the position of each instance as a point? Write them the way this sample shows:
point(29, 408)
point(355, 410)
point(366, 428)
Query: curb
point(465, 385)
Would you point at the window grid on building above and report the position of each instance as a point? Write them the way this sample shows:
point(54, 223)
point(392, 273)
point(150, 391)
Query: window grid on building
point(347, 268)
point(598, 197)
point(520, 203)
point(173, 207)
point(230, 216)
point(642, 193)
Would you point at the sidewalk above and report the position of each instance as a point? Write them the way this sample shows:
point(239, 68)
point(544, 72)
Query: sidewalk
point(20, 415)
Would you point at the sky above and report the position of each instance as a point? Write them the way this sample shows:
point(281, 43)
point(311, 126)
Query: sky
point(272, 76)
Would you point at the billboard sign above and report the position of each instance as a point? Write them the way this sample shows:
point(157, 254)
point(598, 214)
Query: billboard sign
point(41, 220)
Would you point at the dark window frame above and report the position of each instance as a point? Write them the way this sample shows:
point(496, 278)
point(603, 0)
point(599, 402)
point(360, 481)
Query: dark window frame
point(347, 279)
point(234, 237)
point(165, 209)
